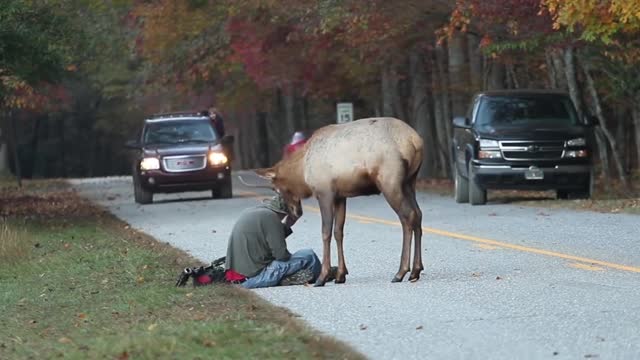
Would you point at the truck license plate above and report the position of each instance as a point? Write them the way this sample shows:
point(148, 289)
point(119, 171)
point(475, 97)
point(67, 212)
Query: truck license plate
point(534, 173)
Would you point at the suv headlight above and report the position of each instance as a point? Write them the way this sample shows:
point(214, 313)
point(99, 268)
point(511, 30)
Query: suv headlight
point(217, 158)
point(577, 142)
point(150, 163)
point(485, 143)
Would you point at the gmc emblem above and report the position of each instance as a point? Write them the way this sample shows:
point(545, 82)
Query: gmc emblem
point(185, 162)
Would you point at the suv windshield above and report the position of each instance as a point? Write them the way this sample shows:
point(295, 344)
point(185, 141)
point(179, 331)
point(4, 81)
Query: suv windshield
point(535, 111)
point(178, 131)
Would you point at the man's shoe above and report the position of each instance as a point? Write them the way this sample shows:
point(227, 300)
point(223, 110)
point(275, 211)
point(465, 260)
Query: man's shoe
point(300, 277)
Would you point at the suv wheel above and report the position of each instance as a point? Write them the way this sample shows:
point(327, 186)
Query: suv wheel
point(477, 195)
point(141, 195)
point(224, 191)
point(461, 187)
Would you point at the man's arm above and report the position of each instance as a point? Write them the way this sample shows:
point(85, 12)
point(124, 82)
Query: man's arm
point(275, 235)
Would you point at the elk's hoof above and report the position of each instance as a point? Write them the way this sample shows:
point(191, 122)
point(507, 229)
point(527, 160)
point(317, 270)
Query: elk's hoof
point(396, 279)
point(340, 280)
point(414, 278)
point(319, 282)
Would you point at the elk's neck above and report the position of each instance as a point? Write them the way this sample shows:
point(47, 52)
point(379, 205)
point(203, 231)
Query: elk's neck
point(293, 167)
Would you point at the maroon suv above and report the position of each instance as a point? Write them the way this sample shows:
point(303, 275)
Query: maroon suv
point(178, 152)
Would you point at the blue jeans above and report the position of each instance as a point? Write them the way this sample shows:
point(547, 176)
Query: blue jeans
point(277, 270)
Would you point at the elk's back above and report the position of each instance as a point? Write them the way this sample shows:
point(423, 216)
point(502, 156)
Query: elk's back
point(354, 155)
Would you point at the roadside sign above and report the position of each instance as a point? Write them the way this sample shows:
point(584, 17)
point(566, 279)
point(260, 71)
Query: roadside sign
point(345, 112)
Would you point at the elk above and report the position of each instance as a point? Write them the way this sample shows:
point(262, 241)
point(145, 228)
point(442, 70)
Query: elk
point(365, 157)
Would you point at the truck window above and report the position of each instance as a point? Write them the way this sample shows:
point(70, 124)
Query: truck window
point(531, 111)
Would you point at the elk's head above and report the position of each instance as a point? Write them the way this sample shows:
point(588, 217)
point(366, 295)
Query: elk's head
point(284, 187)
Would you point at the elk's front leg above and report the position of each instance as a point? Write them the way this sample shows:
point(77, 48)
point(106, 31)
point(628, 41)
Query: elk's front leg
point(326, 212)
point(338, 233)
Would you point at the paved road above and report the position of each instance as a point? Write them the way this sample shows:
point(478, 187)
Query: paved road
point(501, 281)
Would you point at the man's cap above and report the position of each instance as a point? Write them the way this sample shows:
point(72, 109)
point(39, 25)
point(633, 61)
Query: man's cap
point(276, 204)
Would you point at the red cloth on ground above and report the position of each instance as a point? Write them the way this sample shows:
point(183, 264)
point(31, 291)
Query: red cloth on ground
point(231, 276)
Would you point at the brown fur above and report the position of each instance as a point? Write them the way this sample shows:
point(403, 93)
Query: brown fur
point(364, 157)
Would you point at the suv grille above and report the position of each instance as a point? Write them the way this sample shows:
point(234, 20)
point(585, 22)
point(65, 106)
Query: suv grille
point(184, 163)
point(532, 150)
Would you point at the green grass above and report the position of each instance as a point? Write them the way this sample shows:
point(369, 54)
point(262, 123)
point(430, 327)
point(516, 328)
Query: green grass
point(91, 289)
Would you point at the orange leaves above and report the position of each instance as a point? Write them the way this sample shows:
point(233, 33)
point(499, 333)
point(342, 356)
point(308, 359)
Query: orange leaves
point(20, 95)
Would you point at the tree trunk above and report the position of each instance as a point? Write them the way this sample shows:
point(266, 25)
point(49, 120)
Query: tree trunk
point(262, 151)
point(386, 90)
point(458, 79)
point(572, 81)
point(442, 110)
point(290, 110)
point(420, 112)
point(63, 155)
point(475, 62)
point(604, 157)
point(35, 137)
point(557, 63)
point(4, 148)
point(595, 99)
point(636, 122)
point(512, 77)
point(495, 78)
point(399, 110)
point(15, 144)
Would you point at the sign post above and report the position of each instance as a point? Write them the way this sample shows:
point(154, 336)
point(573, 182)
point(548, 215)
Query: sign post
point(344, 112)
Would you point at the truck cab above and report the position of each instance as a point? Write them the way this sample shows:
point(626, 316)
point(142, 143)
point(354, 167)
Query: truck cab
point(522, 140)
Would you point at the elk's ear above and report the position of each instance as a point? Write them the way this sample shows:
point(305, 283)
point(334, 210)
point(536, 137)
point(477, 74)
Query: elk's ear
point(267, 173)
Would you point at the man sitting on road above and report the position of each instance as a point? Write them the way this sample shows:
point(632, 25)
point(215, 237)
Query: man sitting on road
point(257, 254)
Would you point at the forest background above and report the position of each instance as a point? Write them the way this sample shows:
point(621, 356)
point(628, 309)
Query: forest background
point(78, 76)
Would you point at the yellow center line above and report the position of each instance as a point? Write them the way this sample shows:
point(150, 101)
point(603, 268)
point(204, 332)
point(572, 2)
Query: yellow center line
point(492, 242)
point(582, 266)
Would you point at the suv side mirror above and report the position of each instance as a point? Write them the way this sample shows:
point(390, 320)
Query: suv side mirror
point(227, 140)
point(461, 122)
point(132, 144)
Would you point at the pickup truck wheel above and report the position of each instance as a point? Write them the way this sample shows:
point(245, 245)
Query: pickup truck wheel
point(584, 193)
point(141, 195)
point(477, 195)
point(461, 187)
point(224, 191)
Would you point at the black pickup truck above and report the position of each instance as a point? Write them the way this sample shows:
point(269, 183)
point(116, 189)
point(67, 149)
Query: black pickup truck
point(523, 140)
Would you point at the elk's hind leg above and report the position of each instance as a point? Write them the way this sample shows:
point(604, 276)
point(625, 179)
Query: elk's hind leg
point(399, 202)
point(327, 214)
point(416, 225)
point(338, 234)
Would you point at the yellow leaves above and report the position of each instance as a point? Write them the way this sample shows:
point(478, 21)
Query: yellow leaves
point(599, 20)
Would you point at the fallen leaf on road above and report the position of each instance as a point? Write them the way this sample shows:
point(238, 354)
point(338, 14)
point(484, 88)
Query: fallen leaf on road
point(419, 327)
point(363, 327)
point(591, 356)
point(498, 278)
point(493, 214)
